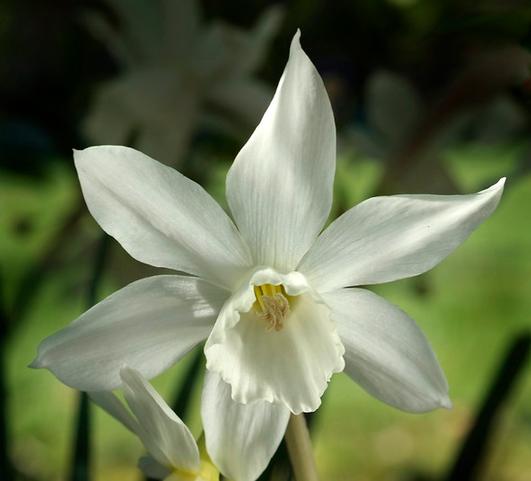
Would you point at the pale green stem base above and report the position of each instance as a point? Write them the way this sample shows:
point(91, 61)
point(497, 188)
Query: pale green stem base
point(300, 449)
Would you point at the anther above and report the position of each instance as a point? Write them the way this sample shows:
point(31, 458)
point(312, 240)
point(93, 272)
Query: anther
point(276, 309)
point(272, 305)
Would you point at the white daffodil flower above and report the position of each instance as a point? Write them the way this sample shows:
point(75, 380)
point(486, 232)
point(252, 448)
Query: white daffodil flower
point(173, 452)
point(271, 295)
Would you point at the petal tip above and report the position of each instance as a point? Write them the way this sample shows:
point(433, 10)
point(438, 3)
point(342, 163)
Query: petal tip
point(296, 41)
point(495, 191)
point(78, 155)
point(500, 184)
point(497, 187)
point(78, 152)
point(446, 403)
point(37, 363)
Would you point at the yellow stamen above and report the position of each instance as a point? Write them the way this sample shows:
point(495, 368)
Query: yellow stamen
point(272, 305)
point(258, 293)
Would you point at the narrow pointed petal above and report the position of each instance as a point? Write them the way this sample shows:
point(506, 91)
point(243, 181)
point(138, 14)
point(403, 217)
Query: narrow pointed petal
point(279, 188)
point(240, 438)
point(164, 435)
point(388, 238)
point(386, 353)
point(148, 325)
point(110, 403)
point(159, 216)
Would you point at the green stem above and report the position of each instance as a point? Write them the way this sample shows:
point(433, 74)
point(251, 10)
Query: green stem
point(300, 449)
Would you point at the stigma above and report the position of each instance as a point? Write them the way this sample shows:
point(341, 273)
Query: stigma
point(272, 305)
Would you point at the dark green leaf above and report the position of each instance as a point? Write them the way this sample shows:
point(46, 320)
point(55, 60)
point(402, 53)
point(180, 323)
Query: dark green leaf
point(80, 468)
point(474, 448)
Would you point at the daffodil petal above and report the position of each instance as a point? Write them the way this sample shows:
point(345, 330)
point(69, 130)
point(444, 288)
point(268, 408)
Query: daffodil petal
point(292, 365)
point(147, 325)
point(110, 403)
point(386, 353)
point(162, 432)
point(241, 439)
point(387, 238)
point(279, 188)
point(159, 216)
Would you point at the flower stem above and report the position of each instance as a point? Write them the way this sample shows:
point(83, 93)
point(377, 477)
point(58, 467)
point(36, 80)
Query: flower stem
point(300, 449)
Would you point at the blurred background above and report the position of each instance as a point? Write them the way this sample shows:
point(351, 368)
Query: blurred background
point(429, 96)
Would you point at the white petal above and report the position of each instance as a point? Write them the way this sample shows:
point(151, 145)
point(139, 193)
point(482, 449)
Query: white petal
point(291, 366)
point(147, 325)
point(388, 238)
point(159, 216)
point(110, 403)
point(279, 188)
point(164, 435)
point(386, 353)
point(241, 439)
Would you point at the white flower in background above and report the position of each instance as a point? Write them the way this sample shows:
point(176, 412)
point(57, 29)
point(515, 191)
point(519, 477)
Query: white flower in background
point(395, 113)
point(173, 452)
point(178, 74)
point(271, 295)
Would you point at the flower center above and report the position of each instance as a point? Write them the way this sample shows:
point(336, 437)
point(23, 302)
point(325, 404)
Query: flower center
point(272, 305)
